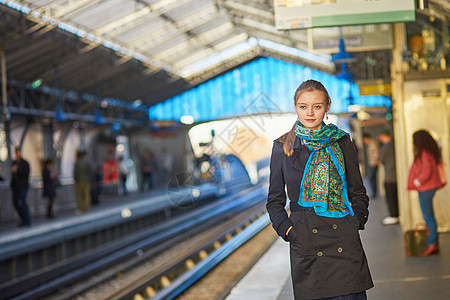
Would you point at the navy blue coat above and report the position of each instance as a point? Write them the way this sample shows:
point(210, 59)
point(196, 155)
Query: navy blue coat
point(19, 179)
point(327, 258)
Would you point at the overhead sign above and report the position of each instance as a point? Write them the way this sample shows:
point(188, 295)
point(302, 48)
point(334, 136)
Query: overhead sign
point(297, 14)
point(375, 89)
point(357, 38)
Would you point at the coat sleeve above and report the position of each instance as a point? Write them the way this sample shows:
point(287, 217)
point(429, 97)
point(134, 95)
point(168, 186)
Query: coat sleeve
point(356, 191)
point(276, 199)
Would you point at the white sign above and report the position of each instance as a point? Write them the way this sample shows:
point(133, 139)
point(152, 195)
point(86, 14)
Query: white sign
point(357, 38)
point(297, 14)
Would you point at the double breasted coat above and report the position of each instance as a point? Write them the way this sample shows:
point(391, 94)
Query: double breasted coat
point(327, 258)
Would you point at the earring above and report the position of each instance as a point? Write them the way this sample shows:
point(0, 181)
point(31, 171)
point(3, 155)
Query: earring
point(326, 116)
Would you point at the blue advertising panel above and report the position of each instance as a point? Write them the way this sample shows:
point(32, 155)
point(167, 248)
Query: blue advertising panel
point(266, 85)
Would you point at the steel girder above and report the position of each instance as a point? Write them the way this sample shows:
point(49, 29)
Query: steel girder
point(24, 100)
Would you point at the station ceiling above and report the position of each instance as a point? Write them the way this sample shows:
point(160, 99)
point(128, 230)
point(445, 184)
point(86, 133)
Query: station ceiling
point(147, 50)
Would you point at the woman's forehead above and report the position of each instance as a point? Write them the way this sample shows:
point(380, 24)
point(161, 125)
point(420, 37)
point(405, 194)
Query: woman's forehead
point(315, 97)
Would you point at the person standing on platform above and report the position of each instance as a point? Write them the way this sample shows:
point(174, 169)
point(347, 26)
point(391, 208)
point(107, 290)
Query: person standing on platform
point(96, 187)
point(20, 172)
point(387, 158)
point(82, 174)
point(424, 178)
point(372, 156)
point(49, 179)
point(147, 170)
point(167, 166)
point(123, 174)
point(319, 166)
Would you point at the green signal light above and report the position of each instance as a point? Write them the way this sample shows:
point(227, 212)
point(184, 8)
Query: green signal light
point(36, 84)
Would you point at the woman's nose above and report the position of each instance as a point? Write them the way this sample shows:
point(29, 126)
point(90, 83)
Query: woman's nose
point(309, 111)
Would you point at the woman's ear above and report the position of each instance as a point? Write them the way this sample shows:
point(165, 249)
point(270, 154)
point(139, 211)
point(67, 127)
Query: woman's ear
point(328, 106)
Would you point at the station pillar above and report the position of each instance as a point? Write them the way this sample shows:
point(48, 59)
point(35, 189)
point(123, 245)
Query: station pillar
point(420, 100)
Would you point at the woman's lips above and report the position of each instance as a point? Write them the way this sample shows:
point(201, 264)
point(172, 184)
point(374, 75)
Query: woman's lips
point(310, 120)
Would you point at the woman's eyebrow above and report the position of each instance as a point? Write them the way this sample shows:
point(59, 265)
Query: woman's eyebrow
point(321, 103)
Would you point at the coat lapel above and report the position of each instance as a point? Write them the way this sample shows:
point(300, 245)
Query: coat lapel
point(300, 152)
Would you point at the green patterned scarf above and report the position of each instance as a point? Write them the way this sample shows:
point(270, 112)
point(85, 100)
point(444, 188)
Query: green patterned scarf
point(324, 184)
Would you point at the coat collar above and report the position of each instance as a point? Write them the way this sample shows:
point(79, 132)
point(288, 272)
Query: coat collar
point(299, 150)
point(297, 143)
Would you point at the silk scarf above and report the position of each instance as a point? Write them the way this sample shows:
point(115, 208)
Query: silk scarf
point(324, 184)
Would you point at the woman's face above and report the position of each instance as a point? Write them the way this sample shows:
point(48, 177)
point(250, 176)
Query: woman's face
point(311, 108)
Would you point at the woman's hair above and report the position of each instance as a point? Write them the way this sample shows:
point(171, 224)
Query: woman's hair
point(422, 140)
point(309, 85)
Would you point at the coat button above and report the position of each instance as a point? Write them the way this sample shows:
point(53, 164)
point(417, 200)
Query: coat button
point(314, 230)
point(334, 226)
point(340, 249)
point(319, 253)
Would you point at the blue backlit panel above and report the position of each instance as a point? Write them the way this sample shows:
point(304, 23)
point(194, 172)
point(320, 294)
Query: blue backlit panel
point(266, 85)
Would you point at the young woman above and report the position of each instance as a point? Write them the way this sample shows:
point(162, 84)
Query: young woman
point(424, 178)
point(319, 166)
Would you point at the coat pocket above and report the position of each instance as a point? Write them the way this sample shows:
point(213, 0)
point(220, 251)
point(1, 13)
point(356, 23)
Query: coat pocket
point(300, 236)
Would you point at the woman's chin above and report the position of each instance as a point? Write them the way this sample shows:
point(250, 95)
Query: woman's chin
point(313, 126)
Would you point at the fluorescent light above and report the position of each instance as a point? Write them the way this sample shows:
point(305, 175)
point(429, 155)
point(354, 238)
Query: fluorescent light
point(187, 119)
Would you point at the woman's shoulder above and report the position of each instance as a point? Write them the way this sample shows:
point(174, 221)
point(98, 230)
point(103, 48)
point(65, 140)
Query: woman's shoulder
point(281, 139)
point(425, 155)
point(278, 144)
point(345, 140)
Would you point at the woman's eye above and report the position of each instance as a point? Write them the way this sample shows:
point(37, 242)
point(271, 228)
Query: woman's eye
point(302, 107)
point(318, 107)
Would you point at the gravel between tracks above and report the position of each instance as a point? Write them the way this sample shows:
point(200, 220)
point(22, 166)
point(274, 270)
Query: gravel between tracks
point(219, 281)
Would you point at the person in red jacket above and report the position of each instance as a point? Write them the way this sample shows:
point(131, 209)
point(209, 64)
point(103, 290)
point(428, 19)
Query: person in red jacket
point(424, 178)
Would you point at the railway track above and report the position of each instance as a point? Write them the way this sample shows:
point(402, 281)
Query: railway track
point(118, 260)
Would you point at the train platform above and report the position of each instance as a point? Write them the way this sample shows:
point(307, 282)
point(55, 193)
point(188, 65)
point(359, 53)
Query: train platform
point(107, 202)
point(110, 210)
point(395, 275)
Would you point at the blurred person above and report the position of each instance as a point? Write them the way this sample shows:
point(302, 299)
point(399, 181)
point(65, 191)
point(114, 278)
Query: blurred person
point(49, 179)
point(372, 170)
point(167, 161)
point(123, 174)
point(386, 157)
point(424, 178)
point(20, 173)
point(319, 166)
point(147, 167)
point(82, 174)
point(97, 184)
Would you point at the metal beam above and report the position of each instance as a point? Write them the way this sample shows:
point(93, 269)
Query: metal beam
point(195, 43)
point(249, 10)
point(129, 21)
point(69, 67)
point(300, 36)
point(54, 10)
point(254, 32)
point(230, 63)
point(57, 9)
point(297, 60)
point(228, 42)
point(26, 47)
point(91, 44)
point(38, 63)
point(70, 116)
point(168, 32)
point(101, 76)
point(5, 113)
